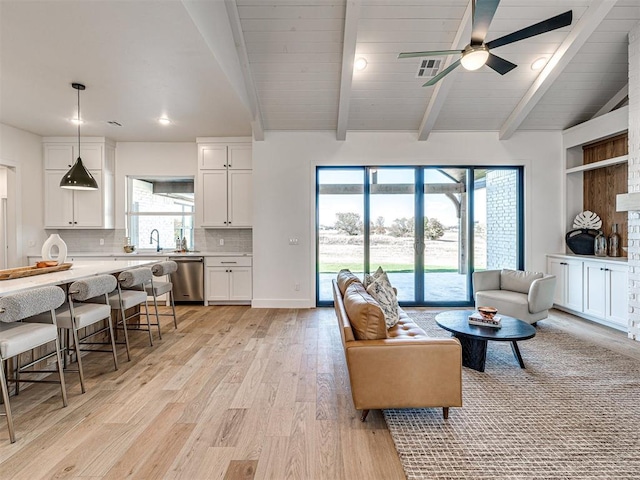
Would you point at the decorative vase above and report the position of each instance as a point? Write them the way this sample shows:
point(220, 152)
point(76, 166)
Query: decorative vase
point(600, 245)
point(54, 240)
point(614, 242)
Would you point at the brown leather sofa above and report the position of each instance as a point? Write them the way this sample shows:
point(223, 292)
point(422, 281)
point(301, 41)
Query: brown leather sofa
point(397, 368)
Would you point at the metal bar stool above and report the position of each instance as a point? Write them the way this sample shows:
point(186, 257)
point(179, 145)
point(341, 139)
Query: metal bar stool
point(17, 337)
point(88, 305)
point(131, 293)
point(158, 288)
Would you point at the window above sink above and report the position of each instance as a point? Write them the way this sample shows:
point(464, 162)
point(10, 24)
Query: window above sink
point(162, 203)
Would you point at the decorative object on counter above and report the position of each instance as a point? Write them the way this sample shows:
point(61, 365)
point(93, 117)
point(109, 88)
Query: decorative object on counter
point(78, 177)
point(178, 243)
point(587, 219)
point(54, 240)
point(581, 241)
point(46, 263)
point(20, 272)
point(183, 245)
point(614, 242)
point(600, 245)
point(129, 248)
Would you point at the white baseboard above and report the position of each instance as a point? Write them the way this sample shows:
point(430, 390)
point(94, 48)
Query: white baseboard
point(281, 303)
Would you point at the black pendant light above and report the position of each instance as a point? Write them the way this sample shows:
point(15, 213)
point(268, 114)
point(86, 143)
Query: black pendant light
point(78, 177)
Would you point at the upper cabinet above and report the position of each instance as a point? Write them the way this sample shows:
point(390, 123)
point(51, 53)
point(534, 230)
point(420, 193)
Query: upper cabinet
point(79, 209)
point(224, 191)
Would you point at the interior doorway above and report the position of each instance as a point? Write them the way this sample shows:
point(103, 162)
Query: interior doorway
point(9, 255)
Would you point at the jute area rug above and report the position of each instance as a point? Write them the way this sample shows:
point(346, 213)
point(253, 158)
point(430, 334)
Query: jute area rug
point(574, 412)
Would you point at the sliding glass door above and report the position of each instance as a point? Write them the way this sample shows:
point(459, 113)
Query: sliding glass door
point(429, 228)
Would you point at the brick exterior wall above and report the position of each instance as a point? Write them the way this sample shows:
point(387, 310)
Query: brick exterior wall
point(502, 211)
point(634, 182)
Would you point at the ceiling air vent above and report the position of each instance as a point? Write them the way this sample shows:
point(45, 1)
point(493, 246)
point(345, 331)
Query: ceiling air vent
point(429, 67)
point(113, 123)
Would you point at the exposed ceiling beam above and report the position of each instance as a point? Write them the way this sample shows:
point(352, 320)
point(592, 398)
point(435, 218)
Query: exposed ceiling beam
point(556, 64)
point(241, 48)
point(216, 27)
point(351, 17)
point(614, 101)
point(443, 87)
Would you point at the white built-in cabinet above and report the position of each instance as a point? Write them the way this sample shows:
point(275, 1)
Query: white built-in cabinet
point(79, 208)
point(228, 280)
point(606, 292)
point(568, 274)
point(595, 288)
point(224, 189)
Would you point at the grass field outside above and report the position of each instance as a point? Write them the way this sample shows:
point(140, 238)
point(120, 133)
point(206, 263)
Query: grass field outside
point(394, 254)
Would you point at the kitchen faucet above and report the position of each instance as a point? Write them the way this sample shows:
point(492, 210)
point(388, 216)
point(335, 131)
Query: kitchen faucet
point(157, 239)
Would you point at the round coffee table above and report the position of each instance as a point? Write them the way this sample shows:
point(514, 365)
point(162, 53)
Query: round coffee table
point(474, 338)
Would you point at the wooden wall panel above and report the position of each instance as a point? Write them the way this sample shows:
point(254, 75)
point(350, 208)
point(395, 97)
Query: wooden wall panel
point(601, 185)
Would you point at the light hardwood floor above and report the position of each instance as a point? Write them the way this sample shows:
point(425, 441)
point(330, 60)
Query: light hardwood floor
point(234, 393)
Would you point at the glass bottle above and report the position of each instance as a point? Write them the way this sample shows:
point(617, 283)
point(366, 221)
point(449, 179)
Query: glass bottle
point(600, 245)
point(614, 242)
point(184, 244)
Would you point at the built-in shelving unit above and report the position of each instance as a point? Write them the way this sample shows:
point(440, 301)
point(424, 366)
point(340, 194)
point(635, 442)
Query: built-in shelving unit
point(600, 164)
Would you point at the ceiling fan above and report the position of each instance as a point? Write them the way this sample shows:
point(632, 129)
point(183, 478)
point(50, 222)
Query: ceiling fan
point(477, 53)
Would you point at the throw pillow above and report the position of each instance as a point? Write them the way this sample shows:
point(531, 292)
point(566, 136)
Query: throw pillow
point(384, 294)
point(369, 279)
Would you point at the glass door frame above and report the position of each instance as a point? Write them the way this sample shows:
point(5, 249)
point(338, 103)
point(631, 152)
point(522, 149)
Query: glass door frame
point(419, 199)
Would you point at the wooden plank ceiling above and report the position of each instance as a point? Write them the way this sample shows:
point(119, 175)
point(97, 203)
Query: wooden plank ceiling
point(295, 50)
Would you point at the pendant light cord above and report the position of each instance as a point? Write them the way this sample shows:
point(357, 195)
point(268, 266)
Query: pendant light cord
point(79, 120)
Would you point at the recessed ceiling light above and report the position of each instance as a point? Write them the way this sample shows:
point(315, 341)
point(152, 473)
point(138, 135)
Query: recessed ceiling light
point(539, 63)
point(360, 64)
point(164, 121)
point(76, 121)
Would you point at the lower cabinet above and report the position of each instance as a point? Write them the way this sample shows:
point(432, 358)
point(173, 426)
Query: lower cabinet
point(593, 288)
point(606, 292)
point(228, 280)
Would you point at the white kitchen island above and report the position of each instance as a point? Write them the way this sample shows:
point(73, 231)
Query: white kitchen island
point(78, 271)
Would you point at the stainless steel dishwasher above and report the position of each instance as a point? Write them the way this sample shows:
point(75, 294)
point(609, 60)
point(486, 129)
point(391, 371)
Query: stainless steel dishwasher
point(188, 280)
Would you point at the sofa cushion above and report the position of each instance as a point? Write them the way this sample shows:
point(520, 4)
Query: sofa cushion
point(384, 294)
point(346, 278)
point(365, 315)
point(517, 280)
point(406, 328)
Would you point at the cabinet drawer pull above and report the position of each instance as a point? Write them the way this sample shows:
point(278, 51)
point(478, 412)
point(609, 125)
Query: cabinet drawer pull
point(228, 262)
point(564, 263)
point(601, 268)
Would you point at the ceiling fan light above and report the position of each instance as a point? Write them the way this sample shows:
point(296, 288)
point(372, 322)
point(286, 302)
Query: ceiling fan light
point(474, 58)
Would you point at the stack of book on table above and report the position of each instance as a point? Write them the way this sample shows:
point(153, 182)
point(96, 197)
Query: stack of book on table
point(476, 319)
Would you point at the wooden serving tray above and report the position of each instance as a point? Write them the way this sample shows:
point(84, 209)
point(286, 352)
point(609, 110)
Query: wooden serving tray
point(21, 272)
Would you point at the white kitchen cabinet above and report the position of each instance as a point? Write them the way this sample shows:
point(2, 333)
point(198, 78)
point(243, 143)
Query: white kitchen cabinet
point(228, 280)
point(606, 292)
point(569, 291)
point(224, 191)
point(79, 208)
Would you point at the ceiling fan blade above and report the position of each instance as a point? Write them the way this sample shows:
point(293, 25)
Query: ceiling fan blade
point(428, 54)
point(500, 65)
point(437, 78)
point(483, 12)
point(545, 26)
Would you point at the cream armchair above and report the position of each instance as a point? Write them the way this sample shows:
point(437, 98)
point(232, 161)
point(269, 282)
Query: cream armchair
point(527, 296)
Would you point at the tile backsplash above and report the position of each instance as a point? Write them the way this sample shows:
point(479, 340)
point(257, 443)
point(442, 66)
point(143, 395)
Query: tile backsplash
point(238, 240)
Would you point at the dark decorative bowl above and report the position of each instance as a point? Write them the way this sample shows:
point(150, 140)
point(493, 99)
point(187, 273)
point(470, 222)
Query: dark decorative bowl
point(488, 312)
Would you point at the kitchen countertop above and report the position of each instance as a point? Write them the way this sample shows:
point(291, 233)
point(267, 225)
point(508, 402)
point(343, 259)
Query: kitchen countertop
point(167, 253)
point(590, 257)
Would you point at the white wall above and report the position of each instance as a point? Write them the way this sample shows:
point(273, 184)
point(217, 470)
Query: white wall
point(177, 159)
point(23, 151)
point(284, 194)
